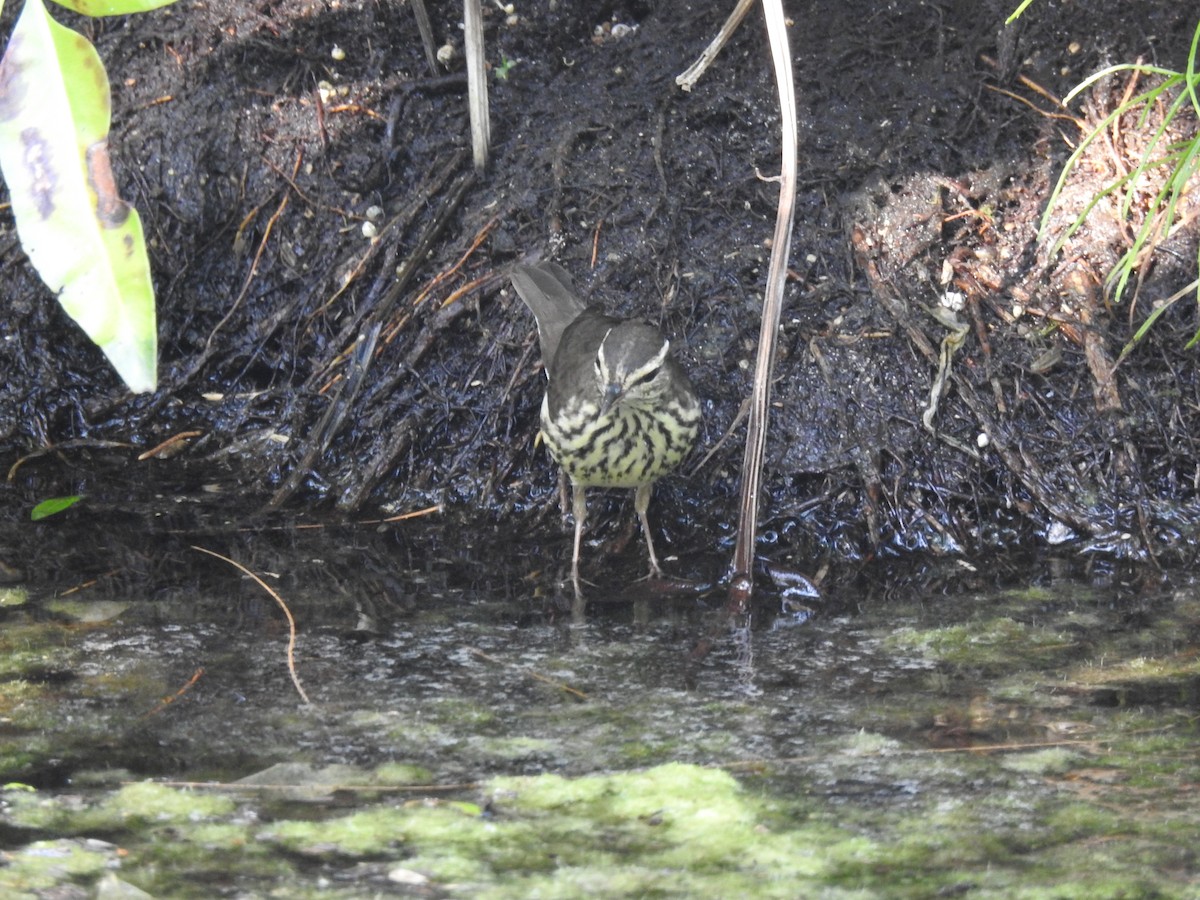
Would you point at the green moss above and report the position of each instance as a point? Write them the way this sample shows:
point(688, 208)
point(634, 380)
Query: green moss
point(1027, 596)
point(22, 703)
point(13, 596)
point(672, 815)
point(1051, 761)
point(449, 866)
point(546, 792)
point(132, 806)
point(44, 867)
point(640, 829)
point(518, 747)
point(367, 833)
point(461, 714)
point(1140, 669)
point(641, 753)
point(401, 773)
point(150, 802)
point(999, 641)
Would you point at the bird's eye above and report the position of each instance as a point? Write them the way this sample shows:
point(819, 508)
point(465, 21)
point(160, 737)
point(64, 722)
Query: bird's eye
point(644, 378)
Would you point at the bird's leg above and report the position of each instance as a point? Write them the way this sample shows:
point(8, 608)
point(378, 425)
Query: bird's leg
point(562, 495)
point(641, 503)
point(579, 508)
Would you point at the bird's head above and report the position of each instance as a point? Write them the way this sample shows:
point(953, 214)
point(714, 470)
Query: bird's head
point(631, 365)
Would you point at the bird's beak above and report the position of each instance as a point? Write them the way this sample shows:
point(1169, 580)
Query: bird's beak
point(612, 393)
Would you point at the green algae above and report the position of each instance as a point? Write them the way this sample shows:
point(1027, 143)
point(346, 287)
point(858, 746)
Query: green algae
point(398, 773)
point(996, 642)
point(86, 611)
point(131, 807)
point(11, 596)
point(1016, 745)
point(671, 830)
point(28, 646)
point(549, 833)
point(43, 866)
point(1051, 761)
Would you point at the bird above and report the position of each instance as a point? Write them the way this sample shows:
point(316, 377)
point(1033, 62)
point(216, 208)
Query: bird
point(619, 410)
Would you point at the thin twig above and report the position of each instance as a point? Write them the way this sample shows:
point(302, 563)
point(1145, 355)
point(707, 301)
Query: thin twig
point(537, 676)
point(291, 648)
point(167, 701)
point(425, 26)
point(170, 446)
point(742, 582)
point(688, 79)
point(330, 788)
point(738, 418)
point(334, 417)
point(262, 246)
point(72, 444)
point(415, 514)
point(314, 526)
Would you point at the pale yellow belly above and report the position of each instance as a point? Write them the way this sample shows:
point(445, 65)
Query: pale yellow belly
point(627, 448)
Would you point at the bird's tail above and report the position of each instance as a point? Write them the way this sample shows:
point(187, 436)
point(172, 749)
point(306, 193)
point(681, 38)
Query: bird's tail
point(549, 293)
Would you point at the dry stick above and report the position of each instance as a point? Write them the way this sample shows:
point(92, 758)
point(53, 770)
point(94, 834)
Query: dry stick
point(306, 526)
point(742, 582)
point(537, 676)
point(451, 201)
point(170, 446)
point(443, 276)
point(733, 765)
point(72, 444)
point(91, 582)
point(474, 285)
point(262, 246)
point(477, 88)
point(167, 701)
point(402, 434)
point(688, 79)
point(330, 788)
point(415, 514)
point(291, 649)
point(426, 28)
point(372, 308)
point(335, 415)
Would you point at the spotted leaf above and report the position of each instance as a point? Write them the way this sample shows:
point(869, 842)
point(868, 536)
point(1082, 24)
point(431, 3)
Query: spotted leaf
point(84, 240)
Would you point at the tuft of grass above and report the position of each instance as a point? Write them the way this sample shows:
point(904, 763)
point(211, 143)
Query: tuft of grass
point(1174, 95)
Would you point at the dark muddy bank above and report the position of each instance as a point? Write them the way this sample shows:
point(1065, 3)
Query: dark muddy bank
point(257, 155)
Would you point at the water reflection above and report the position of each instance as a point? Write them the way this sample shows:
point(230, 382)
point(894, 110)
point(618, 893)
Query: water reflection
point(460, 662)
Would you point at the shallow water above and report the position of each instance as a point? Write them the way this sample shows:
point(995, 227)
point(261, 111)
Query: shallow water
point(468, 736)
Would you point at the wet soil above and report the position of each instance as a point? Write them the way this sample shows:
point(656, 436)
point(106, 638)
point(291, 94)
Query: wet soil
point(305, 367)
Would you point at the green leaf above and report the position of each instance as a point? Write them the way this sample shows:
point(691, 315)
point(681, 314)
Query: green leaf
point(83, 239)
point(1016, 13)
point(112, 7)
point(53, 506)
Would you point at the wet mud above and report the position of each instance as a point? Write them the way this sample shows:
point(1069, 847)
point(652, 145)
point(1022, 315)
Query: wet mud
point(305, 366)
